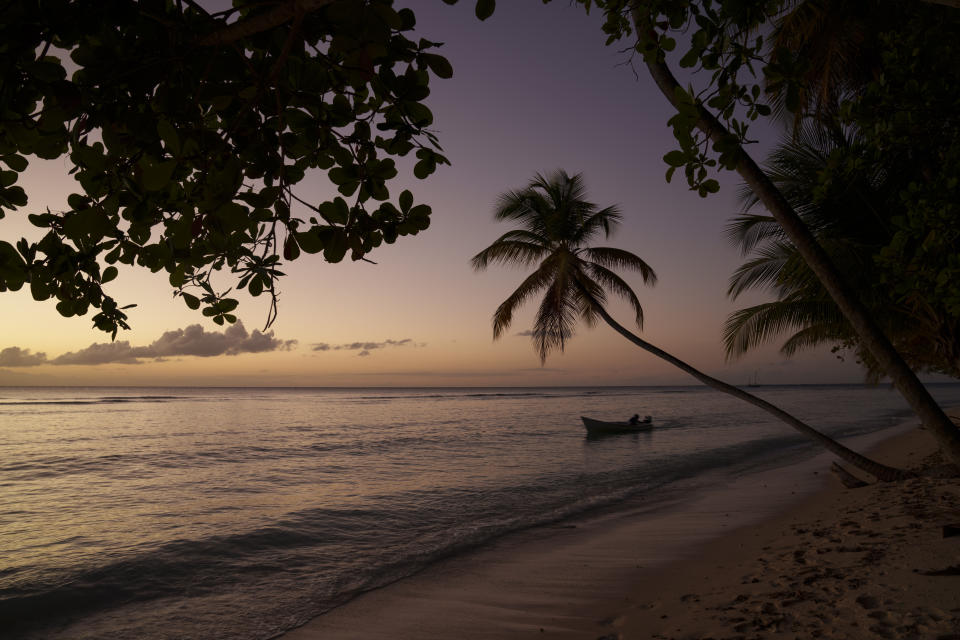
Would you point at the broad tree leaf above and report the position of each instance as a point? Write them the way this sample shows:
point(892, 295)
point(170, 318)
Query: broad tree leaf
point(485, 8)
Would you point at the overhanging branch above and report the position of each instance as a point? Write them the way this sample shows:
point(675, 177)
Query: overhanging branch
point(283, 12)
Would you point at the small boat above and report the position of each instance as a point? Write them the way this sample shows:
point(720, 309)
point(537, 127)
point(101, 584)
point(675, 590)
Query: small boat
point(599, 426)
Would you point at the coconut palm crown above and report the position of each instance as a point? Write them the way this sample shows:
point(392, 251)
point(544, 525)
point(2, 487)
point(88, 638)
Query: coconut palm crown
point(557, 224)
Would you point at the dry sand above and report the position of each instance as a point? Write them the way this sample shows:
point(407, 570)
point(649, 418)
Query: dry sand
point(843, 563)
point(851, 564)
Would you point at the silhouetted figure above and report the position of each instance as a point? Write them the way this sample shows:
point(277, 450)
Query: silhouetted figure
point(635, 419)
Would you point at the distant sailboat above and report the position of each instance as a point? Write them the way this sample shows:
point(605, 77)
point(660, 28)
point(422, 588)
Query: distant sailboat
point(754, 380)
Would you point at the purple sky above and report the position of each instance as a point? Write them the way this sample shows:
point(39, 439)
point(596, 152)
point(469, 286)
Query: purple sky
point(534, 89)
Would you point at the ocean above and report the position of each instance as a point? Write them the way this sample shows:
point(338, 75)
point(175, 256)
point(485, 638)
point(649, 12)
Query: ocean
point(243, 512)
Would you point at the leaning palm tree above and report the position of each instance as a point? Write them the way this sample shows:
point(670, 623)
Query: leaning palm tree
point(645, 20)
point(850, 218)
point(556, 225)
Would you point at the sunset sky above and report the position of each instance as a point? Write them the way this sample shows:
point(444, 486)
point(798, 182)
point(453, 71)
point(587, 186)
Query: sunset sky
point(534, 89)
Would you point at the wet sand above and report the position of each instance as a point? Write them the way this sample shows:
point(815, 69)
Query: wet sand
point(783, 553)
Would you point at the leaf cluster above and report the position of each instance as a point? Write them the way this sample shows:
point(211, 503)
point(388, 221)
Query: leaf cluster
point(909, 118)
point(190, 141)
point(851, 204)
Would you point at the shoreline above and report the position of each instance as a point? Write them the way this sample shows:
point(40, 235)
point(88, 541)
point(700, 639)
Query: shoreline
point(842, 563)
point(593, 577)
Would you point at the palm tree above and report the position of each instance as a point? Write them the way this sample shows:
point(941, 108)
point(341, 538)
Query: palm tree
point(869, 334)
point(850, 217)
point(556, 226)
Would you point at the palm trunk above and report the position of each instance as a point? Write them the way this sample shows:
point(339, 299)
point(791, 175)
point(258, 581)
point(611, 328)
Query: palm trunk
point(871, 337)
point(879, 471)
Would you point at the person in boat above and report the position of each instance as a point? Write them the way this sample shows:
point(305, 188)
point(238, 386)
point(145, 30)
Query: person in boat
point(635, 419)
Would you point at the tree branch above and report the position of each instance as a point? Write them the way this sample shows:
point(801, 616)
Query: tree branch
point(283, 12)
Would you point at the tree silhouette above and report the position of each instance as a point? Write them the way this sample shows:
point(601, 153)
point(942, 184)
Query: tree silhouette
point(555, 227)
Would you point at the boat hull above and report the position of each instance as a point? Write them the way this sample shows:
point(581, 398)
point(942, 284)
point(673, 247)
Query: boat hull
point(600, 426)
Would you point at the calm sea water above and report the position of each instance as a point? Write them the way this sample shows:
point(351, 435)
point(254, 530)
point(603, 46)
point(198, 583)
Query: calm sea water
point(240, 513)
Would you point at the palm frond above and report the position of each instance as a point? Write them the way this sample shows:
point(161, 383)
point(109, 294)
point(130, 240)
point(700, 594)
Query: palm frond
point(527, 206)
point(614, 258)
point(508, 251)
point(533, 283)
point(527, 236)
point(561, 189)
point(594, 222)
point(811, 337)
point(797, 279)
point(748, 328)
point(588, 292)
point(556, 318)
point(761, 271)
point(614, 283)
point(747, 231)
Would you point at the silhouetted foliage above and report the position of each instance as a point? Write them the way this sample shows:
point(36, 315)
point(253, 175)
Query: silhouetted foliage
point(848, 202)
point(556, 227)
point(908, 116)
point(873, 170)
point(189, 133)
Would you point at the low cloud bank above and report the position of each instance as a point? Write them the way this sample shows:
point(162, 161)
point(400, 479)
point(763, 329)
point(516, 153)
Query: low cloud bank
point(17, 357)
point(365, 348)
point(194, 340)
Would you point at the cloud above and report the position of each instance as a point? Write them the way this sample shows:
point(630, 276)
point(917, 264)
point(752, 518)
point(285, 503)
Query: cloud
point(365, 347)
point(104, 353)
point(191, 341)
point(463, 373)
point(526, 333)
point(17, 357)
point(194, 341)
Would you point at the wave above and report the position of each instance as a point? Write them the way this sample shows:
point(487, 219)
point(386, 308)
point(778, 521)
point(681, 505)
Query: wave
point(343, 552)
point(524, 393)
point(88, 401)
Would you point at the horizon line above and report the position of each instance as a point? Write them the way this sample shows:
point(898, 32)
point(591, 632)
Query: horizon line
point(433, 386)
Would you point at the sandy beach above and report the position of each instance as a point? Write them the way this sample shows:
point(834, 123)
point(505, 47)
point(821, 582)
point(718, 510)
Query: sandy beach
point(783, 553)
point(871, 562)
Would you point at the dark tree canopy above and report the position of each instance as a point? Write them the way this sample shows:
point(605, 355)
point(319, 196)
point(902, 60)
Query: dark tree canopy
point(849, 202)
point(909, 117)
point(870, 161)
point(189, 134)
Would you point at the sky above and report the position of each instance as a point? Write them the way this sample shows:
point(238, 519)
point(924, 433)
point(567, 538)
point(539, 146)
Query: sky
point(534, 90)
